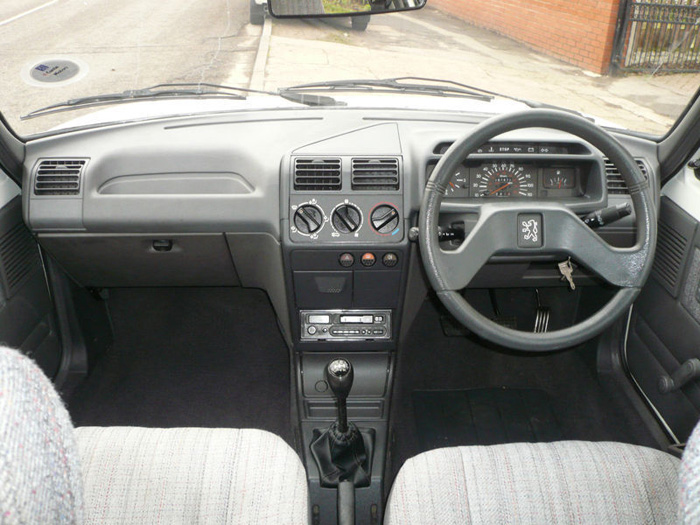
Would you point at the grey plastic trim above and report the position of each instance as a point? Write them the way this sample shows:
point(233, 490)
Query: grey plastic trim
point(177, 184)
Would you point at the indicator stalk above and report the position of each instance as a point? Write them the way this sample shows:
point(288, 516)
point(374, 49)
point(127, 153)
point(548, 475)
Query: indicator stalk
point(607, 215)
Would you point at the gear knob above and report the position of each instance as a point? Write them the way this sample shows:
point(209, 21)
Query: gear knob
point(340, 375)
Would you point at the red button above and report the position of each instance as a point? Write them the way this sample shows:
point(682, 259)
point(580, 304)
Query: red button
point(368, 259)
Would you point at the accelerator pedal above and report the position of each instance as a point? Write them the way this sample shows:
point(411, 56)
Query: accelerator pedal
point(541, 316)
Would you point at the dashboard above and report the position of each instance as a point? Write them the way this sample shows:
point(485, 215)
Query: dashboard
point(313, 205)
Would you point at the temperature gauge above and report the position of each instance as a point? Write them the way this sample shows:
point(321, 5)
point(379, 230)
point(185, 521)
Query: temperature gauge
point(559, 178)
point(458, 186)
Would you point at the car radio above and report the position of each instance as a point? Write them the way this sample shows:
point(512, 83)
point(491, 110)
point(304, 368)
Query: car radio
point(318, 325)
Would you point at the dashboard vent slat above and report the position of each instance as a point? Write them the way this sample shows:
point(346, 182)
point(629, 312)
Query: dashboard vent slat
point(615, 182)
point(58, 177)
point(317, 174)
point(375, 174)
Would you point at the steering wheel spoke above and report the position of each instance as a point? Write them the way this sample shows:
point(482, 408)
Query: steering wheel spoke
point(617, 266)
point(508, 228)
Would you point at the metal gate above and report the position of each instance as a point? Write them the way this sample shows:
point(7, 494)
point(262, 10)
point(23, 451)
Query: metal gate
point(656, 35)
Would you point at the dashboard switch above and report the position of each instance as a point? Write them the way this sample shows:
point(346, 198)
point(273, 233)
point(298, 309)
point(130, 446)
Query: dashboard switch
point(368, 259)
point(390, 259)
point(308, 219)
point(346, 260)
point(384, 219)
point(346, 218)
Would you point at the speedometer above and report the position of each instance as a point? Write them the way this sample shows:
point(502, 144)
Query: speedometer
point(503, 179)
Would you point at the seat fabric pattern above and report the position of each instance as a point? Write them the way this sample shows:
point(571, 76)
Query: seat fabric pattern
point(40, 479)
point(524, 483)
point(187, 475)
point(689, 480)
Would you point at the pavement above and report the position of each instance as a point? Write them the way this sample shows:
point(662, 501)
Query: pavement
point(430, 43)
point(130, 44)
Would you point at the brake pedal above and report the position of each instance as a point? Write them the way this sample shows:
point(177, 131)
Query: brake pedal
point(506, 321)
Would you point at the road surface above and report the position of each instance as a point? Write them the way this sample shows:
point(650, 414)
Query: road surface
point(125, 44)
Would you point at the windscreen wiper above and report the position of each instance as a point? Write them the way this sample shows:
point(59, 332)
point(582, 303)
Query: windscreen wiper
point(157, 91)
point(410, 85)
point(417, 85)
point(175, 90)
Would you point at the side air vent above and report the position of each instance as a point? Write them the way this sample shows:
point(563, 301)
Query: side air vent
point(375, 174)
point(317, 174)
point(58, 177)
point(670, 253)
point(19, 255)
point(616, 184)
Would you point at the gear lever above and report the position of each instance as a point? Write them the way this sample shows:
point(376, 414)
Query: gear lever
point(340, 376)
point(342, 452)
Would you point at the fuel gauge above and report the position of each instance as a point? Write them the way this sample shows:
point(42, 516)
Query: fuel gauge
point(559, 178)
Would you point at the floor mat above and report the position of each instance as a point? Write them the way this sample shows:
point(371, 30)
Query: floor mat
point(201, 357)
point(485, 416)
point(586, 406)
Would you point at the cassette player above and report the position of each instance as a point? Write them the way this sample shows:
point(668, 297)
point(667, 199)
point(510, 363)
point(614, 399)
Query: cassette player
point(337, 325)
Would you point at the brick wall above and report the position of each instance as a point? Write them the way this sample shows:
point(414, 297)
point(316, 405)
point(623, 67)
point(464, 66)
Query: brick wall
point(580, 32)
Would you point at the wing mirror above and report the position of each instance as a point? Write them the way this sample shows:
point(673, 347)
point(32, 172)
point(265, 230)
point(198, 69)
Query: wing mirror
point(329, 8)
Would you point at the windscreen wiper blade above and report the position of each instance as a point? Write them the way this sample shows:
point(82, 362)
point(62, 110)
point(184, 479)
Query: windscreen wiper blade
point(411, 85)
point(158, 91)
point(175, 90)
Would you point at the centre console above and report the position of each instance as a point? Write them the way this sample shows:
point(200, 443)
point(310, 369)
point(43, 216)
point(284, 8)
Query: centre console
point(346, 250)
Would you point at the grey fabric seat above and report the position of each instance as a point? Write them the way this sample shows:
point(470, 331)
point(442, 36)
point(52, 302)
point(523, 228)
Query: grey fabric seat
point(564, 482)
point(544, 483)
point(53, 473)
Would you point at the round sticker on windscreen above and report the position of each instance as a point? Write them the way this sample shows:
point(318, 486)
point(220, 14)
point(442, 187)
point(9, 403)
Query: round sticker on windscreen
point(54, 71)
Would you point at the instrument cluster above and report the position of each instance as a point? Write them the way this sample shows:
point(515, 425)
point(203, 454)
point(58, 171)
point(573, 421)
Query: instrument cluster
point(505, 178)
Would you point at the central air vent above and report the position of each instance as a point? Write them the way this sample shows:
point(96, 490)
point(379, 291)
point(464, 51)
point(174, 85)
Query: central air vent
point(58, 177)
point(616, 184)
point(317, 174)
point(375, 174)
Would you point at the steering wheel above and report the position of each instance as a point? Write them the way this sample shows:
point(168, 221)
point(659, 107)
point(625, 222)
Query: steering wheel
point(507, 227)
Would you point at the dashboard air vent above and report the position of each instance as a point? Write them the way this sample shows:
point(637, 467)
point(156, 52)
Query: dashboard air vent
point(317, 174)
point(616, 185)
point(58, 177)
point(375, 174)
point(670, 254)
